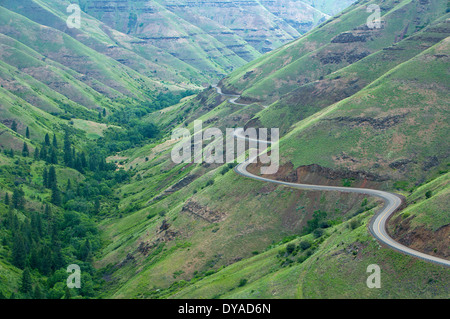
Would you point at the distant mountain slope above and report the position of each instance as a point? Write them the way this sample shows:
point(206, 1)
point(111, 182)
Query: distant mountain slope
point(50, 74)
point(337, 43)
point(216, 36)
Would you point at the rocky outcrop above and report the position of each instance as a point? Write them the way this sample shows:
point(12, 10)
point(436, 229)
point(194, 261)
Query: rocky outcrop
point(376, 123)
point(350, 37)
point(203, 212)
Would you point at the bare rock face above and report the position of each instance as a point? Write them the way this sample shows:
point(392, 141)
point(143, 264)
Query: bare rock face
point(203, 212)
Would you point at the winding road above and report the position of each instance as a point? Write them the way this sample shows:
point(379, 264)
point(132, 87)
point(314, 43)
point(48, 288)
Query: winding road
point(377, 226)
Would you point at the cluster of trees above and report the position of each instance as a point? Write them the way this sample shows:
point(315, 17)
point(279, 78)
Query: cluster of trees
point(52, 153)
point(128, 115)
point(44, 241)
point(41, 243)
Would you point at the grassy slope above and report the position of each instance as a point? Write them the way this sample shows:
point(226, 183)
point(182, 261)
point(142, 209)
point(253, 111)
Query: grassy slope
point(147, 60)
point(415, 91)
point(310, 98)
point(336, 270)
point(315, 55)
point(199, 244)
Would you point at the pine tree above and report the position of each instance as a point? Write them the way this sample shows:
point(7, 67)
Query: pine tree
point(43, 154)
point(68, 156)
point(55, 141)
point(26, 284)
point(97, 206)
point(83, 160)
point(36, 154)
point(53, 157)
point(25, 151)
point(58, 259)
point(6, 199)
point(45, 177)
point(52, 179)
point(14, 126)
point(18, 199)
point(37, 293)
point(27, 133)
point(47, 140)
point(56, 195)
point(85, 250)
point(46, 260)
point(19, 252)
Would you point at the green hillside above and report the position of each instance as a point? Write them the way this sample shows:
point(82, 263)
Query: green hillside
point(87, 178)
point(372, 135)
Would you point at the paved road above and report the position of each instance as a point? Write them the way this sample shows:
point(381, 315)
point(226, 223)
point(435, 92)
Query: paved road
point(377, 226)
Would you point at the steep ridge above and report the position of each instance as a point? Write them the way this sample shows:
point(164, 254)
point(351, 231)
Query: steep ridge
point(337, 43)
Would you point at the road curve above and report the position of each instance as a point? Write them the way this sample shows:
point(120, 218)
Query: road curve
point(377, 226)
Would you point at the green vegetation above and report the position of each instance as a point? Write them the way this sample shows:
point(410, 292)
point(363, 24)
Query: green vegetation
point(86, 175)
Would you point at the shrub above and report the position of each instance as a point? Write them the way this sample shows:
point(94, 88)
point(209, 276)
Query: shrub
point(242, 282)
point(290, 248)
point(428, 194)
point(304, 245)
point(318, 233)
point(354, 224)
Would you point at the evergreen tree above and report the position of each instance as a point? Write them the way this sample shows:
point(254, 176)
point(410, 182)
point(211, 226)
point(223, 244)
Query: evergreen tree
point(97, 206)
point(37, 293)
point(14, 126)
point(6, 199)
point(19, 252)
point(83, 160)
point(18, 199)
point(47, 140)
point(26, 285)
point(25, 151)
point(68, 156)
point(46, 260)
point(45, 177)
point(85, 250)
point(53, 157)
point(58, 259)
point(52, 179)
point(56, 195)
point(34, 257)
point(55, 141)
point(36, 154)
point(43, 154)
point(27, 133)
